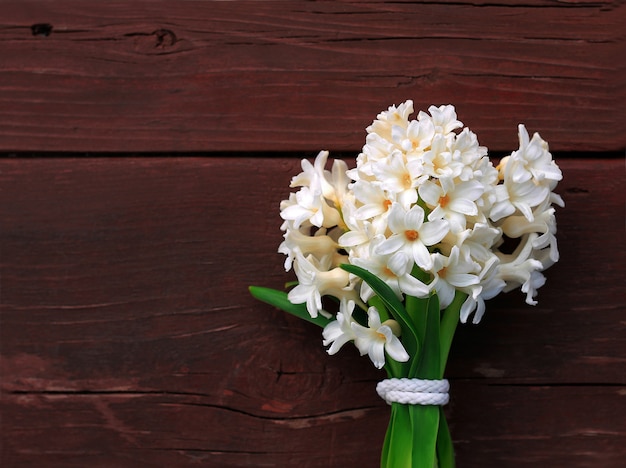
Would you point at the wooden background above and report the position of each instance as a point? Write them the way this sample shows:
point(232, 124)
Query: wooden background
point(146, 146)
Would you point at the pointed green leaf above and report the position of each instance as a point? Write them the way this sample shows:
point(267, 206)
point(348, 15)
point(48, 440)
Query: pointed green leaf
point(417, 309)
point(428, 365)
point(401, 441)
point(425, 424)
point(449, 321)
point(381, 288)
point(279, 299)
point(445, 449)
point(380, 306)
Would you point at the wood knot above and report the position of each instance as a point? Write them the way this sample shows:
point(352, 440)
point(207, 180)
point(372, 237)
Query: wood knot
point(157, 42)
point(164, 38)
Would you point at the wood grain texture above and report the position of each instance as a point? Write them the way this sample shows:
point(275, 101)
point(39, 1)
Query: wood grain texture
point(128, 338)
point(294, 75)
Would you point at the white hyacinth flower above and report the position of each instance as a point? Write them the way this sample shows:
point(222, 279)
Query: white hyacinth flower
point(443, 118)
point(393, 116)
point(310, 206)
point(466, 149)
point(452, 273)
point(520, 269)
point(399, 177)
point(332, 185)
point(524, 196)
point(378, 338)
point(319, 245)
point(544, 223)
point(412, 236)
point(339, 331)
point(316, 279)
point(393, 269)
point(359, 234)
point(490, 288)
point(414, 138)
point(532, 159)
point(438, 162)
point(373, 199)
point(455, 204)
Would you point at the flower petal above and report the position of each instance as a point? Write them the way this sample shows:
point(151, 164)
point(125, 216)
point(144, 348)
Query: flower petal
point(422, 256)
point(463, 205)
point(430, 192)
point(373, 318)
point(461, 280)
point(412, 286)
point(395, 220)
point(434, 231)
point(414, 218)
point(395, 350)
point(400, 263)
point(377, 354)
point(393, 244)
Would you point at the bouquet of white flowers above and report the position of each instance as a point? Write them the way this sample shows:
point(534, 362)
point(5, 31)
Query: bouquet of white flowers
point(408, 243)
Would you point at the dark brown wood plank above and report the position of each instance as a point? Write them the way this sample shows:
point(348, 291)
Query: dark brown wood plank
point(127, 337)
point(492, 426)
point(295, 75)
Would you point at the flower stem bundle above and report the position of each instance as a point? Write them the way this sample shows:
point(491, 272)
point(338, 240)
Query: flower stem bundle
point(411, 241)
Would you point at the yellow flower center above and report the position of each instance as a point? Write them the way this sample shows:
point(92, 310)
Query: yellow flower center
point(406, 180)
point(411, 235)
point(388, 272)
point(444, 200)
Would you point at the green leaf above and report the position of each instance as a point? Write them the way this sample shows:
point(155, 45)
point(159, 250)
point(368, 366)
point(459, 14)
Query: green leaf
point(384, 456)
point(402, 442)
point(425, 423)
point(417, 310)
point(445, 449)
point(449, 321)
point(421, 275)
point(381, 288)
point(279, 299)
point(428, 365)
point(393, 304)
point(380, 306)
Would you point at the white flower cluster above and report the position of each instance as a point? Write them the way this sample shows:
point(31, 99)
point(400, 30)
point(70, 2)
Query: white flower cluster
point(423, 210)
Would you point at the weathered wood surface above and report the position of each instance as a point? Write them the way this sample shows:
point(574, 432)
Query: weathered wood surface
point(128, 339)
point(294, 75)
